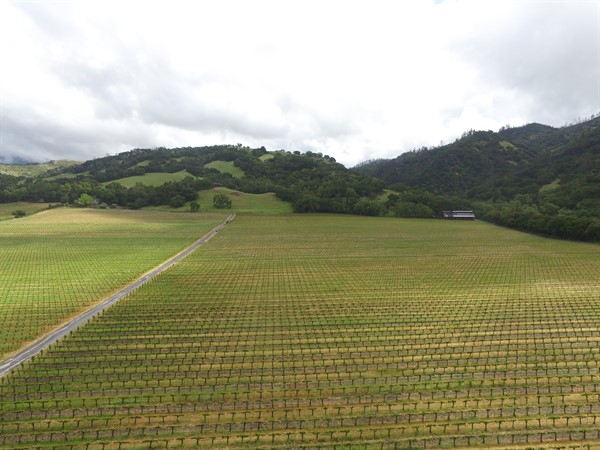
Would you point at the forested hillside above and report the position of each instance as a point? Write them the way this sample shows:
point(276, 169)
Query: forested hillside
point(311, 182)
point(535, 178)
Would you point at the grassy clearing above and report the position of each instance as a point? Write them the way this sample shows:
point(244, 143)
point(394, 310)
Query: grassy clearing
point(386, 193)
point(6, 209)
point(246, 203)
point(242, 202)
point(54, 264)
point(34, 170)
point(226, 167)
point(550, 186)
point(318, 331)
point(508, 146)
point(151, 179)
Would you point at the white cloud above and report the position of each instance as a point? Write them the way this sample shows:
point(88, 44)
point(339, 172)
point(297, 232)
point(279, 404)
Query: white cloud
point(352, 79)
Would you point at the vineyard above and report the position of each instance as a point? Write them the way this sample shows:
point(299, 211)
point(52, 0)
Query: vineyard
point(56, 263)
point(317, 331)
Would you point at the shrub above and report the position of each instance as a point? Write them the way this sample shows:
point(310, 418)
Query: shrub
point(19, 213)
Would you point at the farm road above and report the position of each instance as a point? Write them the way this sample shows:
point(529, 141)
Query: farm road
point(29, 352)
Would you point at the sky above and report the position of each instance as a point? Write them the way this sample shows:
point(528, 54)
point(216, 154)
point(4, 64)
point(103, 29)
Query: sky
point(356, 80)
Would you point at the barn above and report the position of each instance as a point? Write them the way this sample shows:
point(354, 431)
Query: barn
point(459, 215)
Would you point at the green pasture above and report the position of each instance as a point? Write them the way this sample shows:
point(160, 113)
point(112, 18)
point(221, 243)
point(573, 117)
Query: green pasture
point(322, 331)
point(151, 178)
point(58, 262)
point(242, 202)
point(226, 167)
point(6, 209)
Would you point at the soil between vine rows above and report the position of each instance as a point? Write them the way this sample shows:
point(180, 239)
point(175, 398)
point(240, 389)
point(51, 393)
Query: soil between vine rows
point(321, 331)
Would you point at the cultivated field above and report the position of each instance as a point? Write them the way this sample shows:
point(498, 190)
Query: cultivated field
point(58, 262)
point(323, 331)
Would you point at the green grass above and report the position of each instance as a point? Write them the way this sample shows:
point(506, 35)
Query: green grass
point(508, 146)
point(242, 202)
point(267, 156)
point(151, 179)
point(550, 186)
point(58, 262)
point(6, 209)
point(384, 196)
point(226, 167)
point(317, 331)
point(34, 170)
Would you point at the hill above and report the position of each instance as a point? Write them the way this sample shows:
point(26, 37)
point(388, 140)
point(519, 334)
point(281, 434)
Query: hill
point(310, 182)
point(535, 178)
point(30, 170)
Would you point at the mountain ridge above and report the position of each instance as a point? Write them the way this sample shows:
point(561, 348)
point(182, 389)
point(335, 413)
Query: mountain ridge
point(536, 178)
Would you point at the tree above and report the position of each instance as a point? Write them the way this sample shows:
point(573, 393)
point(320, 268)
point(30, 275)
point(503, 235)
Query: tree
point(177, 201)
point(194, 207)
point(19, 213)
point(84, 200)
point(221, 201)
point(366, 207)
point(411, 209)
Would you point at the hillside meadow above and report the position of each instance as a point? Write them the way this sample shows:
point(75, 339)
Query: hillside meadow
point(58, 262)
point(322, 331)
point(7, 209)
point(241, 202)
point(151, 179)
point(226, 167)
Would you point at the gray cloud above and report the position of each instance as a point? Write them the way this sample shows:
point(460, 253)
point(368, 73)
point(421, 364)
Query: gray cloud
point(548, 53)
point(85, 79)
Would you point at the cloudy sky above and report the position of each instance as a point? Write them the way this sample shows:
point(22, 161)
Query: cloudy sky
point(352, 79)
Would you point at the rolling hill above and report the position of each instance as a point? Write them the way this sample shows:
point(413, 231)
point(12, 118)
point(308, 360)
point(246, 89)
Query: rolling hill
point(309, 182)
point(535, 178)
point(31, 170)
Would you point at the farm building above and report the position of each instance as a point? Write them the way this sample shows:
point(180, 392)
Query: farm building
point(461, 215)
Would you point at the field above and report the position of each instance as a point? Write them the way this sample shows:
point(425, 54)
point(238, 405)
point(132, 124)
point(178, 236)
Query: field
point(58, 262)
point(317, 331)
point(246, 203)
point(226, 167)
point(242, 202)
point(151, 178)
point(6, 209)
